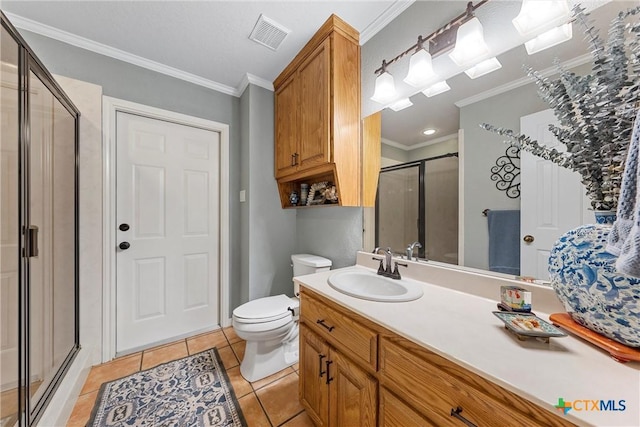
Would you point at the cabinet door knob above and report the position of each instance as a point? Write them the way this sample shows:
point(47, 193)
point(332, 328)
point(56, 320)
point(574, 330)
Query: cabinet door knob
point(124, 245)
point(528, 238)
point(124, 227)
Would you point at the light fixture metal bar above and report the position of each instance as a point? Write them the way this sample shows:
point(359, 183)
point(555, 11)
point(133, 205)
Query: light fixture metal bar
point(424, 39)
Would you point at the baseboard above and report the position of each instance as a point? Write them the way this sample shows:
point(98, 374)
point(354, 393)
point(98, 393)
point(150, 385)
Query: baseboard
point(61, 405)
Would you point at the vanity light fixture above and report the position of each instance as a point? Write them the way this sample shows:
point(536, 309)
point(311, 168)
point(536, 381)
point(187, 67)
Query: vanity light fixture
point(483, 68)
point(440, 41)
point(550, 38)
point(385, 89)
point(401, 104)
point(429, 131)
point(420, 67)
point(436, 89)
point(537, 16)
point(470, 45)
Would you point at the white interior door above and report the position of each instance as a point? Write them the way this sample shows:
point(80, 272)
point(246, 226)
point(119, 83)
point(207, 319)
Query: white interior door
point(552, 199)
point(168, 195)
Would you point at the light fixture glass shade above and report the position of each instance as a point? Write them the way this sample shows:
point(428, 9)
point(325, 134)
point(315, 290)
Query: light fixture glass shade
point(436, 89)
point(385, 89)
point(550, 38)
point(485, 67)
point(420, 69)
point(401, 104)
point(537, 16)
point(470, 45)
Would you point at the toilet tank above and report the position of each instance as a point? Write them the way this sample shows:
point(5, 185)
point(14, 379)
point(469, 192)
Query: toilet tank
point(307, 264)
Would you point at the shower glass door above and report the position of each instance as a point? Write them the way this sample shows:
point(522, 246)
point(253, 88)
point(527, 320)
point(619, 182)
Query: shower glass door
point(52, 326)
point(418, 202)
point(399, 221)
point(39, 330)
point(9, 231)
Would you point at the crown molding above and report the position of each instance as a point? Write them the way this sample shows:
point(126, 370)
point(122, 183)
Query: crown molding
point(403, 147)
point(381, 21)
point(571, 63)
point(249, 78)
point(102, 49)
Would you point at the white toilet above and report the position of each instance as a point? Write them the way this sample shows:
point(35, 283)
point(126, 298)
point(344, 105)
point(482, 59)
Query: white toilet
point(270, 325)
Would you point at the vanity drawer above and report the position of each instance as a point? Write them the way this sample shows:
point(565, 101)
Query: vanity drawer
point(394, 412)
point(438, 386)
point(340, 330)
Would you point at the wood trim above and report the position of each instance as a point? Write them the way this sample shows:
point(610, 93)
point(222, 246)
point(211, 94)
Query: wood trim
point(371, 157)
point(345, 118)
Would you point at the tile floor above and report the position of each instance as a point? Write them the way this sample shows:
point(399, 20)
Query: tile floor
point(270, 402)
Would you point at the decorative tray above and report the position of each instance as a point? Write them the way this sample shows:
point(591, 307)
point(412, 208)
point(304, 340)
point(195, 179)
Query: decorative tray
point(528, 325)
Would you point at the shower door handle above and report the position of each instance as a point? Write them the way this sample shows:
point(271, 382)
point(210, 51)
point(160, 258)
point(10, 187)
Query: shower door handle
point(32, 241)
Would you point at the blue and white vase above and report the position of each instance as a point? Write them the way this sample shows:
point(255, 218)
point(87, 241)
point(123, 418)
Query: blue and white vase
point(605, 217)
point(584, 276)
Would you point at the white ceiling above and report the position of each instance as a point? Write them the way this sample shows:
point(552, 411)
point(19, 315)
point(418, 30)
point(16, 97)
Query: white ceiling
point(205, 41)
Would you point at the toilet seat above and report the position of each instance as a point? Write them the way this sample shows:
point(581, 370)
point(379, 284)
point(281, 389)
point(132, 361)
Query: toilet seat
point(267, 309)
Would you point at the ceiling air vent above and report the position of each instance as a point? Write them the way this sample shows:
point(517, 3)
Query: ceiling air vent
point(269, 33)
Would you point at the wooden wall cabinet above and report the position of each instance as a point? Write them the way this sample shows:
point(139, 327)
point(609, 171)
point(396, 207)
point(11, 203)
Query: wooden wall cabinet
point(317, 115)
point(355, 372)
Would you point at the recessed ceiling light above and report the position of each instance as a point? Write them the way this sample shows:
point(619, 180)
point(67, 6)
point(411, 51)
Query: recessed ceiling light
point(429, 131)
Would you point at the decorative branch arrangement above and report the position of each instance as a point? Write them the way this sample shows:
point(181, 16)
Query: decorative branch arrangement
point(506, 173)
point(595, 111)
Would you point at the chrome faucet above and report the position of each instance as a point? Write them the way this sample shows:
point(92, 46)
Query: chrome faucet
point(411, 248)
point(385, 269)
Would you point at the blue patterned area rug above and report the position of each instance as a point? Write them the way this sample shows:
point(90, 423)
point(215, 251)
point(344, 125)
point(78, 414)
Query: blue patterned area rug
point(193, 391)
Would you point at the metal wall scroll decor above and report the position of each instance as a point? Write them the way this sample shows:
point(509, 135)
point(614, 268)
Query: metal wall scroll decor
point(506, 172)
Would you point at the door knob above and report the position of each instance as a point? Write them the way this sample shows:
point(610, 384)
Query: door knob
point(124, 227)
point(124, 245)
point(528, 238)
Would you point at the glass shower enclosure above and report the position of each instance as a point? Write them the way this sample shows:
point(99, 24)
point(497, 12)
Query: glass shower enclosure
point(418, 202)
point(39, 330)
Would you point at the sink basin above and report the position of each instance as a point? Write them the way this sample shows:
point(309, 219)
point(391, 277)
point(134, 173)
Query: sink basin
point(370, 286)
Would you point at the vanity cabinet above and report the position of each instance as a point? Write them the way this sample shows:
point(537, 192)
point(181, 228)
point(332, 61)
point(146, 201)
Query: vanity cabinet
point(445, 393)
point(349, 364)
point(317, 115)
point(333, 389)
point(337, 360)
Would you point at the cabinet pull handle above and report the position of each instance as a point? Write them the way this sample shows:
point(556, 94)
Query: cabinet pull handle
point(329, 377)
point(321, 323)
point(456, 414)
point(293, 159)
point(321, 372)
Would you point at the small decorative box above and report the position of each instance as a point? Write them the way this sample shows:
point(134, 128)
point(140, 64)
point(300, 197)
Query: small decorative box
point(515, 298)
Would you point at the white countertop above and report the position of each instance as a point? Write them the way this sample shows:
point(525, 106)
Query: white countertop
point(460, 326)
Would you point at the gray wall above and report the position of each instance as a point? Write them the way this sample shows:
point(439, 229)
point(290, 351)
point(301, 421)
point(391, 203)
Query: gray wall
point(125, 81)
point(481, 150)
point(330, 231)
point(268, 231)
point(433, 150)
point(393, 153)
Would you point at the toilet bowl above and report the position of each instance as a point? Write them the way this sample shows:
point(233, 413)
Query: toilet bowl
point(269, 325)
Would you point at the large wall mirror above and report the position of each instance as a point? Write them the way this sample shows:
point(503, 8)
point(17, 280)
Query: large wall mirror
point(505, 98)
